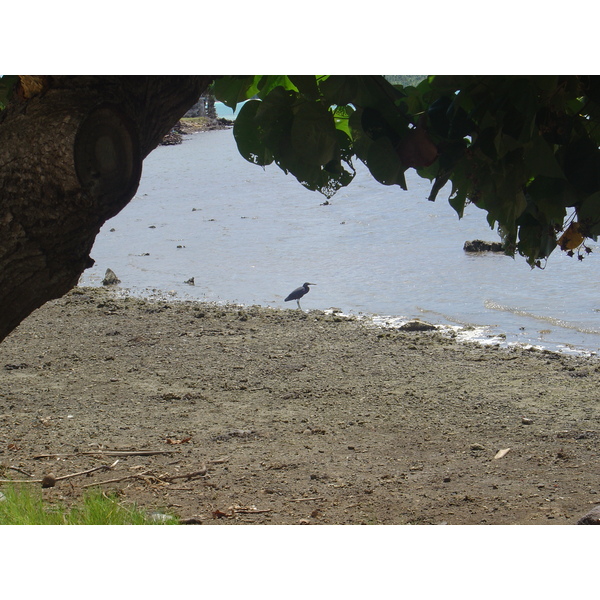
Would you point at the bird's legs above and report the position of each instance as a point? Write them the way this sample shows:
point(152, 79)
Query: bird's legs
point(298, 301)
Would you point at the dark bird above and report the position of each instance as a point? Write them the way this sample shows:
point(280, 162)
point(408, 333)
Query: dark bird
point(298, 293)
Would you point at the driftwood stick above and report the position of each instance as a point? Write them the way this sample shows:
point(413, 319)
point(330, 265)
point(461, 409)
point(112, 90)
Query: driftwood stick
point(109, 453)
point(203, 472)
point(304, 499)
point(21, 471)
point(134, 476)
point(20, 481)
point(100, 468)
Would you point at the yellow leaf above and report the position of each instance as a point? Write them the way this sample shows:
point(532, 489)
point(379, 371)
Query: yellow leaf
point(571, 238)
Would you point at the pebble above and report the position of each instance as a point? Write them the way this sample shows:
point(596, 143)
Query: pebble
point(48, 481)
point(526, 421)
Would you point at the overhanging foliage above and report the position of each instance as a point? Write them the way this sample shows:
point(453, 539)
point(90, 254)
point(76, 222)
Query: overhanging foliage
point(523, 148)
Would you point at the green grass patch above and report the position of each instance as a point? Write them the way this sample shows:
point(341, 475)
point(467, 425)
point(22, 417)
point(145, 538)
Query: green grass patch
point(20, 505)
point(196, 120)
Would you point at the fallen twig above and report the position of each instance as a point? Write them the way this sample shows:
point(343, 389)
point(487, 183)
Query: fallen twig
point(21, 471)
point(304, 499)
point(55, 479)
point(109, 453)
point(250, 511)
point(218, 461)
point(203, 472)
point(134, 476)
point(20, 481)
point(100, 468)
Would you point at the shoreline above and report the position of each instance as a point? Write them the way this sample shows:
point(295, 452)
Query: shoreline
point(463, 333)
point(577, 333)
point(282, 417)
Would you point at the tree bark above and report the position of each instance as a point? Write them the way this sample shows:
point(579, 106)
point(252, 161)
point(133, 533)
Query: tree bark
point(71, 152)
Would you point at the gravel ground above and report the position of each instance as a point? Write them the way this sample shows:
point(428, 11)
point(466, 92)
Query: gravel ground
point(229, 415)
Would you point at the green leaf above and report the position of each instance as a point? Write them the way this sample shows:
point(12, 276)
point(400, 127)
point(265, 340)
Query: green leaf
point(247, 133)
point(339, 90)
point(384, 163)
point(458, 200)
point(341, 119)
point(588, 214)
point(540, 160)
point(505, 143)
point(536, 240)
point(267, 83)
point(306, 85)
point(275, 116)
point(551, 197)
point(234, 89)
point(326, 179)
point(313, 134)
point(581, 164)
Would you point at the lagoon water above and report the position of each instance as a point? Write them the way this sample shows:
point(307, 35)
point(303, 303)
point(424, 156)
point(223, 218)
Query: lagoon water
point(249, 235)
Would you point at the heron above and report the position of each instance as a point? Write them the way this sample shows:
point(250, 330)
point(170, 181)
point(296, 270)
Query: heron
point(299, 292)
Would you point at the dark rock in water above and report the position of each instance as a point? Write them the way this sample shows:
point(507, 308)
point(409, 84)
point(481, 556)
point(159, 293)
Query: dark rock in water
point(172, 138)
point(417, 325)
point(190, 281)
point(481, 246)
point(592, 518)
point(110, 278)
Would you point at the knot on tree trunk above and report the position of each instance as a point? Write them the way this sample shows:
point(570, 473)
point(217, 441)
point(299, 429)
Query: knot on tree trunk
point(107, 155)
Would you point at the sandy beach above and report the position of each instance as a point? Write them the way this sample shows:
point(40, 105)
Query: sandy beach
point(247, 415)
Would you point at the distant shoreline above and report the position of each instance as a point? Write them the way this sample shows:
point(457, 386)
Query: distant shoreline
point(191, 125)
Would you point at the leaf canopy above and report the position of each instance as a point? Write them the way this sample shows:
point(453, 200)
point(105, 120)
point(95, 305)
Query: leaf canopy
point(523, 148)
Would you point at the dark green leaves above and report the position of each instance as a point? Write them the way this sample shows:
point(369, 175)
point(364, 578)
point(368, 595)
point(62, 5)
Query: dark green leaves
point(232, 90)
point(312, 134)
point(384, 164)
point(588, 215)
point(539, 159)
point(339, 90)
point(298, 134)
point(235, 89)
point(249, 135)
point(525, 149)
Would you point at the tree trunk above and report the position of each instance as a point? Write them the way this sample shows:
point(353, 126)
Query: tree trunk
point(71, 151)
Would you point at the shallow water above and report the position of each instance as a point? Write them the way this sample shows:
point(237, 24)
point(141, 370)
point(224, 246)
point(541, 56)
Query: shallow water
point(250, 235)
